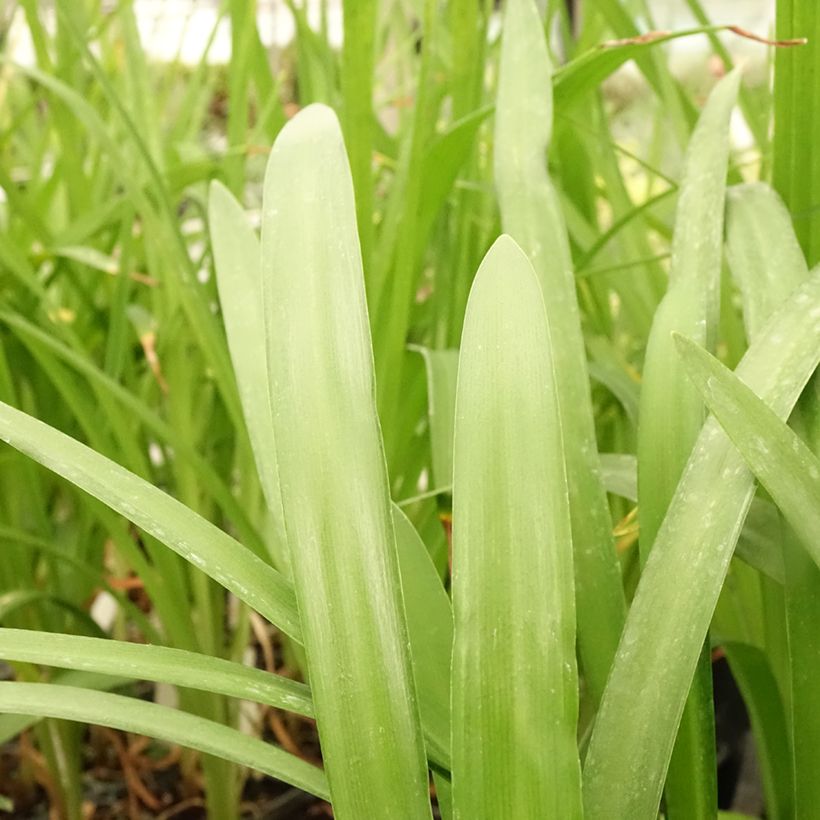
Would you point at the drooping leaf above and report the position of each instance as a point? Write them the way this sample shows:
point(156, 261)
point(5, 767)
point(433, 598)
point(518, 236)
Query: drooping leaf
point(155, 663)
point(188, 534)
point(153, 720)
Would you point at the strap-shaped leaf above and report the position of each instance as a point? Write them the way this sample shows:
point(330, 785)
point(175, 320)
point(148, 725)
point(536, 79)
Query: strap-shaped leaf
point(430, 629)
point(671, 410)
point(763, 252)
point(333, 477)
point(184, 531)
point(238, 277)
point(531, 214)
point(783, 463)
point(635, 728)
point(515, 698)
point(153, 720)
point(155, 663)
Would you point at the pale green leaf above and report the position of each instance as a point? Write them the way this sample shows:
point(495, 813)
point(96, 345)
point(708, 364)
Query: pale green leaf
point(782, 462)
point(531, 214)
point(333, 477)
point(515, 696)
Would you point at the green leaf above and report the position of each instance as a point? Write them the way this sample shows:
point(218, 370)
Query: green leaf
point(11, 724)
point(671, 411)
point(515, 696)
point(750, 668)
point(531, 214)
point(238, 277)
point(171, 725)
point(763, 252)
point(619, 472)
point(430, 630)
point(186, 533)
point(441, 367)
point(333, 477)
point(635, 728)
point(782, 462)
point(155, 663)
point(441, 164)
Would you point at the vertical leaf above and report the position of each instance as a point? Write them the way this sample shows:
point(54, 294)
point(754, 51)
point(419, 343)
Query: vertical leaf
point(237, 262)
point(671, 410)
point(530, 213)
point(515, 697)
point(333, 477)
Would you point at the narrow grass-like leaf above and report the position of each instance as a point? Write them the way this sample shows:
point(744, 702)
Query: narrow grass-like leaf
point(763, 252)
point(188, 534)
point(515, 699)
point(155, 663)
point(796, 166)
point(782, 462)
point(530, 213)
point(635, 729)
point(170, 725)
point(333, 477)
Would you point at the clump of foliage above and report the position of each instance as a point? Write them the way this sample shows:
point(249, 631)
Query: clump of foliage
point(502, 500)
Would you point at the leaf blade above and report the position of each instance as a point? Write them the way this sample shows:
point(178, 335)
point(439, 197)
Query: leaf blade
point(514, 679)
point(333, 476)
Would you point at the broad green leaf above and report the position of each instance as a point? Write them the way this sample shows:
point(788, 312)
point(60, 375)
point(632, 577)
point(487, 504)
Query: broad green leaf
point(515, 696)
point(671, 411)
point(782, 462)
point(634, 732)
point(171, 725)
point(186, 533)
point(333, 477)
point(430, 630)
point(530, 213)
point(155, 663)
point(238, 277)
point(763, 252)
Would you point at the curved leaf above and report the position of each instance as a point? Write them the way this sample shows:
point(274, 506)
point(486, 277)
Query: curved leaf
point(155, 663)
point(184, 531)
point(171, 725)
